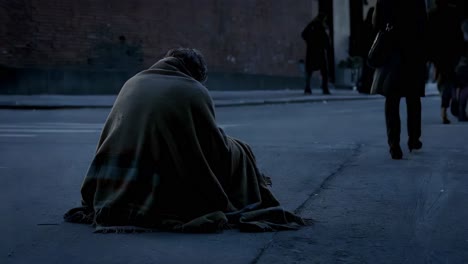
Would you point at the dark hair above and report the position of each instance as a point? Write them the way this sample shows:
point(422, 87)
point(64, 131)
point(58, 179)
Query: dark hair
point(322, 17)
point(193, 61)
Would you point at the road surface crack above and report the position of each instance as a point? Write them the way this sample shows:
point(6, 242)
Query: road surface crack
point(356, 151)
point(263, 249)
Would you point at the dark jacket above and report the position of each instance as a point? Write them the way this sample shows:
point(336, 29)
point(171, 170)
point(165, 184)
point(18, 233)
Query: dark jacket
point(404, 73)
point(317, 41)
point(445, 38)
point(462, 72)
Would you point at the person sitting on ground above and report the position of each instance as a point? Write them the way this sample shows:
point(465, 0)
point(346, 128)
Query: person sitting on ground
point(459, 105)
point(162, 161)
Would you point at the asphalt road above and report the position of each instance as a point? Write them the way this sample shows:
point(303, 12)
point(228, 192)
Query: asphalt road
point(328, 161)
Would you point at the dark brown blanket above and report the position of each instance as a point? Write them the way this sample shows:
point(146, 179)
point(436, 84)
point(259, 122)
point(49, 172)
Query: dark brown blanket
point(162, 162)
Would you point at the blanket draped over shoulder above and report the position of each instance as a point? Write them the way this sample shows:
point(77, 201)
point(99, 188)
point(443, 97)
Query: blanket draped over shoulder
point(162, 162)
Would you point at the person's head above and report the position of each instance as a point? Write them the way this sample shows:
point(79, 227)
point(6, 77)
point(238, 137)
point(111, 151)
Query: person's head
point(193, 60)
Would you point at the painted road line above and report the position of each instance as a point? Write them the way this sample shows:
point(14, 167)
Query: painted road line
point(451, 125)
point(5, 127)
point(223, 126)
point(77, 125)
point(17, 135)
point(46, 126)
point(64, 123)
point(69, 124)
point(8, 130)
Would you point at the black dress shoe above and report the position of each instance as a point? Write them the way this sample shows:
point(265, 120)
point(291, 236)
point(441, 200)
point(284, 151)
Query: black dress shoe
point(414, 145)
point(396, 153)
point(307, 91)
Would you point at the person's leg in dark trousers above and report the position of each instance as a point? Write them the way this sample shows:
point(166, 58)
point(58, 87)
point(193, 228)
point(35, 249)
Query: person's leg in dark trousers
point(413, 109)
point(445, 83)
point(446, 96)
point(462, 103)
point(393, 123)
point(307, 89)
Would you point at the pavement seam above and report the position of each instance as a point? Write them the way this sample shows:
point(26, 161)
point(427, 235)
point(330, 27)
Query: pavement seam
point(355, 153)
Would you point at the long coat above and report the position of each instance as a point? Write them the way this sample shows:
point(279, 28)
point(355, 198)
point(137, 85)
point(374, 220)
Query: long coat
point(162, 162)
point(445, 37)
point(404, 73)
point(317, 41)
point(462, 72)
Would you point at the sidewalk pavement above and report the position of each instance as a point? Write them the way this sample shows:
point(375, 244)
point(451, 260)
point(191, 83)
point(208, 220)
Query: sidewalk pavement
point(220, 98)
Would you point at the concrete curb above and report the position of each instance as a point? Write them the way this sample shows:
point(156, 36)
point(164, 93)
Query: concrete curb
point(221, 103)
point(296, 100)
point(31, 104)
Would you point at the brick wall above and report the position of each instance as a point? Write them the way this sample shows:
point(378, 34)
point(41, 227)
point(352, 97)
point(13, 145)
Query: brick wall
point(239, 36)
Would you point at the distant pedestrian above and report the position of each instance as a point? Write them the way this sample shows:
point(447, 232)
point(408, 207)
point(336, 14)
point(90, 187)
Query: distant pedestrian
point(162, 161)
point(368, 35)
point(403, 73)
point(460, 100)
point(318, 44)
point(445, 41)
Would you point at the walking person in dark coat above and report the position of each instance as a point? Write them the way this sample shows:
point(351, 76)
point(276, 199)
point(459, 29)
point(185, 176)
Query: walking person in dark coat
point(318, 43)
point(445, 49)
point(460, 103)
point(403, 74)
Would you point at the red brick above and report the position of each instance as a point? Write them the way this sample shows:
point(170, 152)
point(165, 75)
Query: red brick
point(244, 36)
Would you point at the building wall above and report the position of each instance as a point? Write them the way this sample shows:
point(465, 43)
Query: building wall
point(244, 36)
